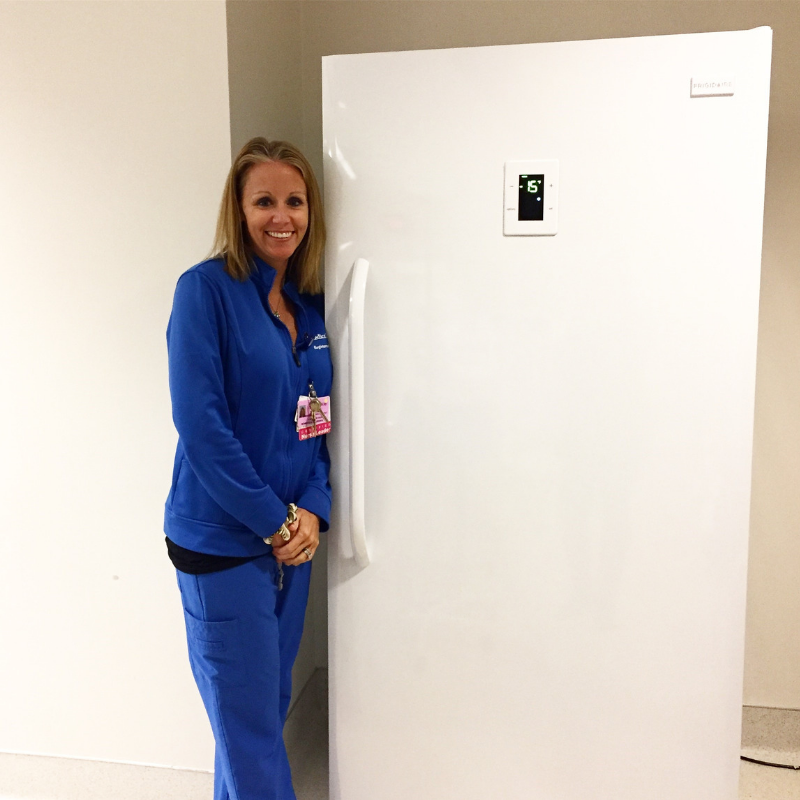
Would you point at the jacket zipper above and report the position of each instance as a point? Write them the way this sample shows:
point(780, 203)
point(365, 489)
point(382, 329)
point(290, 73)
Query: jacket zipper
point(296, 357)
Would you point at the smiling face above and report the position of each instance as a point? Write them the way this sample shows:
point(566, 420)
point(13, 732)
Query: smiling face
point(275, 209)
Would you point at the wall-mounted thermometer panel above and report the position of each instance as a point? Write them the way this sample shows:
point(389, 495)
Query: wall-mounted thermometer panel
point(530, 198)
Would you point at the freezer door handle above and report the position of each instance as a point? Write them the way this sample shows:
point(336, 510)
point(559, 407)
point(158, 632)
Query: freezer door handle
point(355, 318)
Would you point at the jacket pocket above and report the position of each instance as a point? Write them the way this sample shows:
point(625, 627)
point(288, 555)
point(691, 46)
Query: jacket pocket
point(215, 649)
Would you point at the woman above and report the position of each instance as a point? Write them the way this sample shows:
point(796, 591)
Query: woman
point(248, 351)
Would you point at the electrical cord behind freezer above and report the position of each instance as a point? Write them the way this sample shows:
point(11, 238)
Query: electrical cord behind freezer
point(768, 763)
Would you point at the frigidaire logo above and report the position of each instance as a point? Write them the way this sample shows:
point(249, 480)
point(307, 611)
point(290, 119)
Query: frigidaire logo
point(718, 86)
point(712, 84)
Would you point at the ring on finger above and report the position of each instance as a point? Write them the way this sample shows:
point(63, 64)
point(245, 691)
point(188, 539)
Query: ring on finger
point(308, 553)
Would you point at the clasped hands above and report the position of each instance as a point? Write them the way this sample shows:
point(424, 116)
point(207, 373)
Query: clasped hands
point(304, 535)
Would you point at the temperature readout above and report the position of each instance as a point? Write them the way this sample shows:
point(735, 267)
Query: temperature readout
point(531, 197)
point(526, 209)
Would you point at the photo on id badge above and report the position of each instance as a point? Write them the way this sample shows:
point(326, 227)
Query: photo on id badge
point(313, 415)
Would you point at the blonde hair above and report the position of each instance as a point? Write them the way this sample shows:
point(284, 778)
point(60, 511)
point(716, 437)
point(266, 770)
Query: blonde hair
point(230, 241)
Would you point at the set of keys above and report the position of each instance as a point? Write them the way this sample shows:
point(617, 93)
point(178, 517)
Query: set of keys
point(308, 408)
point(315, 407)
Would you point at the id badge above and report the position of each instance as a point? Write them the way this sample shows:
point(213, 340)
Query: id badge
point(313, 416)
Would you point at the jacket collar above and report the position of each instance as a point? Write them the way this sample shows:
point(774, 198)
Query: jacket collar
point(264, 276)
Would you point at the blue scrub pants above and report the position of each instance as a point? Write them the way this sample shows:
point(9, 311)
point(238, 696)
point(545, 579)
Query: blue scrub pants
point(243, 637)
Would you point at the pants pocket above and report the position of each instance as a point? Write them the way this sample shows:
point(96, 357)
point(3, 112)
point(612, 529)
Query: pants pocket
point(216, 650)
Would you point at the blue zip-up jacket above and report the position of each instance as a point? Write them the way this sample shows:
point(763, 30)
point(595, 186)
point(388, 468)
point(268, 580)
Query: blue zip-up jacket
point(235, 380)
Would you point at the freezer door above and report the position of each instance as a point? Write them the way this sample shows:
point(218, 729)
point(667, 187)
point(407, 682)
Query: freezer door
point(557, 429)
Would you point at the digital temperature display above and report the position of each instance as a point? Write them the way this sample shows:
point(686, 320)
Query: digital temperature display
point(526, 210)
point(531, 197)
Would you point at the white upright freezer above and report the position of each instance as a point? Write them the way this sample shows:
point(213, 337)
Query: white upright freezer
point(542, 297)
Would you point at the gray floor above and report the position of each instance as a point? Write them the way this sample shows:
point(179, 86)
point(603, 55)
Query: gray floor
point(306, 737)
point(769, 734)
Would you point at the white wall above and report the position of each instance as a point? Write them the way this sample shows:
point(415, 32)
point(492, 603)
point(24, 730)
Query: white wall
point(114, 145)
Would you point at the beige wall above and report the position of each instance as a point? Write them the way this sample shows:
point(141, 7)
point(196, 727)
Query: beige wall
point(265, 83)
point(334, 26)
point(265, 46)
point(114, 145)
